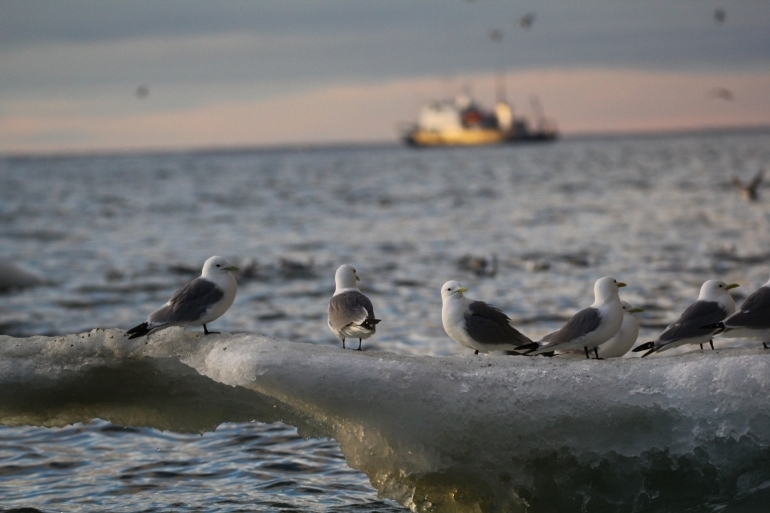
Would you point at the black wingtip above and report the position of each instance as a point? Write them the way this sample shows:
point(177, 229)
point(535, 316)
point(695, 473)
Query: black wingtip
point(138, 331)
point(642, 347)
point(648, 353)
point(528, 348)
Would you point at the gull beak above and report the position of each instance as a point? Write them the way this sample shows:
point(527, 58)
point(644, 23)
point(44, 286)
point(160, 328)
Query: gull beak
point(462, 289)
point(732, 286)
point(621, 284)
point(634, 310)
point(357, 278)
point(230, 268)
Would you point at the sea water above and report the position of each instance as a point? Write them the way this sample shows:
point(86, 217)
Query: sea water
point(114, 235)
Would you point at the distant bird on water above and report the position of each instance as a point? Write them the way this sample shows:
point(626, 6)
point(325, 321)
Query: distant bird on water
point(752, 320)
point(697, 324)
point(351, 314)
point(199, 302)
point(591, 326)
point(476, 324)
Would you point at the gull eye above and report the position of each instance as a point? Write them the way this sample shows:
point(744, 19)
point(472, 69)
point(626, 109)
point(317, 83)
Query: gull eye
point(218, 265)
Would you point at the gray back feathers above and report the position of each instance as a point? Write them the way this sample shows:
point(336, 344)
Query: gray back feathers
point(488, 325)
point(690, 323)
point(754, 312)
point(580, 324)
point(189, 303)
point(349, 308)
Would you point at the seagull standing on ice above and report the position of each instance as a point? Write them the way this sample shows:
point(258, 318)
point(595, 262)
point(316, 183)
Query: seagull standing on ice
point(200, 302)
point(351, 314)
point(626, 336)
point(697, 324)
point(752, 320)
point(476, 324)
point(590, 327)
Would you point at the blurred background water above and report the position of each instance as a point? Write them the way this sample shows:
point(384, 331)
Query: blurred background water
point(527, 228)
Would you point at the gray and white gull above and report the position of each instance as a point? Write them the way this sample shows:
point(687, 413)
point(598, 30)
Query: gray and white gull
point(476, 324)
point(752, 320)
point(697, 324)
point(351, 314)
point(591, 326)
point(199, 302)
point(625, 338)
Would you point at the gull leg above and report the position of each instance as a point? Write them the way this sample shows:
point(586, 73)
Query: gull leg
point(596, 352)
point(711, 343)
point(764, 344)
point(701, 347)
point(477, 351)
point(587, 354)
point(359, 344)
point(207, 332)
point(343, 343)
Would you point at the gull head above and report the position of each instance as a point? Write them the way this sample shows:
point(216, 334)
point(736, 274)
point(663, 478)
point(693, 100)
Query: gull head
point(217, 264)
point(629, 309)
point(452, 289)
point(346, 277)
point(713, 289)
point(606, 289)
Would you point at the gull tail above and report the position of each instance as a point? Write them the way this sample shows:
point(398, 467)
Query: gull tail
point(642, 347)
point(139, 331)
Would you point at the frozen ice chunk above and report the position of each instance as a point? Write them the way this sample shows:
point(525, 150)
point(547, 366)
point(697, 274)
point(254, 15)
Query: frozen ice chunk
point(456, 433)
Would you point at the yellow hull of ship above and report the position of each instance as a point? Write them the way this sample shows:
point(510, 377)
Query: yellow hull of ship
point(457, 137)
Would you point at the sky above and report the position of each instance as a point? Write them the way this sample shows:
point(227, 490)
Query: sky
point(89, 75)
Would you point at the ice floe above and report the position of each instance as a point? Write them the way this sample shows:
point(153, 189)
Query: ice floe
point(464, 433)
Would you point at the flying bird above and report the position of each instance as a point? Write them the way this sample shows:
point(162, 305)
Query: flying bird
point(527, 20)
point(591, 326)
point(351, 314)
point(723, 94)
point(476, 324)
point(697, 324)
point(720, 15)
point(749, 190)
point(496, 35)
point(199, 302)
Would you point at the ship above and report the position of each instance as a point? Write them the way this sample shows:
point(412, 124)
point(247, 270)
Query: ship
point(463, 122)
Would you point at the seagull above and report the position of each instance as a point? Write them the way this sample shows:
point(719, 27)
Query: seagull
point(697, 324)
point(752, 320)
point(199, 302)
point(591, 326)
point(720, 15)
point(626, 336)
point(527, 20)
point(351, 314)
point(749, 190)
point(476, 324)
